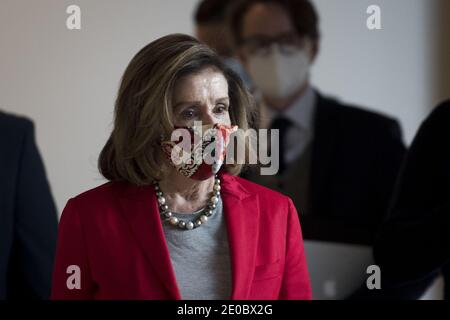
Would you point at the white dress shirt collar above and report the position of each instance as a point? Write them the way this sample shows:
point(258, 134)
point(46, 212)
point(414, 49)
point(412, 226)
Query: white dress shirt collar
point(301, 112)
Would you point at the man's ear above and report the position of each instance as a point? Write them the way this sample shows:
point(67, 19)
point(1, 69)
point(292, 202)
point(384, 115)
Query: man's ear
point(315, 50)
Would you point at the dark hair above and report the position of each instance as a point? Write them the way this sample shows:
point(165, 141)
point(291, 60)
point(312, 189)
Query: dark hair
point(302, 13)
point(211, 11)
point(143, 109)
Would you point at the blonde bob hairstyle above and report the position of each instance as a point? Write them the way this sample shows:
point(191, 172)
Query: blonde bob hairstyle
point(143, 108)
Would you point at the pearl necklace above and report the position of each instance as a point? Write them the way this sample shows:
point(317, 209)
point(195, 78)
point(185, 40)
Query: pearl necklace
point(203, 215)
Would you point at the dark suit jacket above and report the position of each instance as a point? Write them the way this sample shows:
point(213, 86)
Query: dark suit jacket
point(415, 241)
point(28, 219)
point(356, 156)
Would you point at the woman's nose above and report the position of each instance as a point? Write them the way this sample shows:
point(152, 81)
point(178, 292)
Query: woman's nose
point(208, 119)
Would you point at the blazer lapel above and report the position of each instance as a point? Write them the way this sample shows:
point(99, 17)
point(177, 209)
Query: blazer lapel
point(241, 210)
point(140, 209)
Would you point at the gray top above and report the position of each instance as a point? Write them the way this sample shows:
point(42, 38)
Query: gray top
point(201, 257)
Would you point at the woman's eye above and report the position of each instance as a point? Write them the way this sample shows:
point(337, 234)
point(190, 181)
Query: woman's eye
point(188, 114)
point(221, 109)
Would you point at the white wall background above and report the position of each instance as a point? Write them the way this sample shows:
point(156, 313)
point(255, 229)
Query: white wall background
point(395, 70)
point(66, 81)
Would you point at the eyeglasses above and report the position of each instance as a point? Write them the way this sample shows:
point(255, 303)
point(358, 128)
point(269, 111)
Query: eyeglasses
point(260, 45)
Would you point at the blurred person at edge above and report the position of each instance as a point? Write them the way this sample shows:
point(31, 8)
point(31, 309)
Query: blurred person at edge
point(163, 229)
point(337, 162)
point(28, 218)
point(211, 28)
point(413, 247)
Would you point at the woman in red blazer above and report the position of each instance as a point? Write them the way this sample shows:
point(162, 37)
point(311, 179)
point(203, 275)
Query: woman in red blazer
point(169, 229)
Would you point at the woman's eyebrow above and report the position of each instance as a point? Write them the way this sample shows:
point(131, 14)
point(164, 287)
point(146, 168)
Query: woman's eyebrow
point(223, 99)
point(182, 103)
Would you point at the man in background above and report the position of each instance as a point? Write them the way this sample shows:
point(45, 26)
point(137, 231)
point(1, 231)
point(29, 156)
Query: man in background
point(28, 218)
point(337, 162)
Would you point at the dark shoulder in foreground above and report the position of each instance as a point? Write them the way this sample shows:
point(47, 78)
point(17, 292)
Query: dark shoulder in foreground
point(434, 132)
point(441, 113)
point(10, 123)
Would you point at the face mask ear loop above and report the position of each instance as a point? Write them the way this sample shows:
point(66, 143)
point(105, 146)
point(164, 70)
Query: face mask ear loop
point(218, 162)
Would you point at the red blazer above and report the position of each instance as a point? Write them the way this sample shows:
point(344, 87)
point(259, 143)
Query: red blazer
point(114, 234)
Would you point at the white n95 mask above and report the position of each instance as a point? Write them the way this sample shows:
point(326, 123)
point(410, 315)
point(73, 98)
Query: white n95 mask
point(279, 75)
